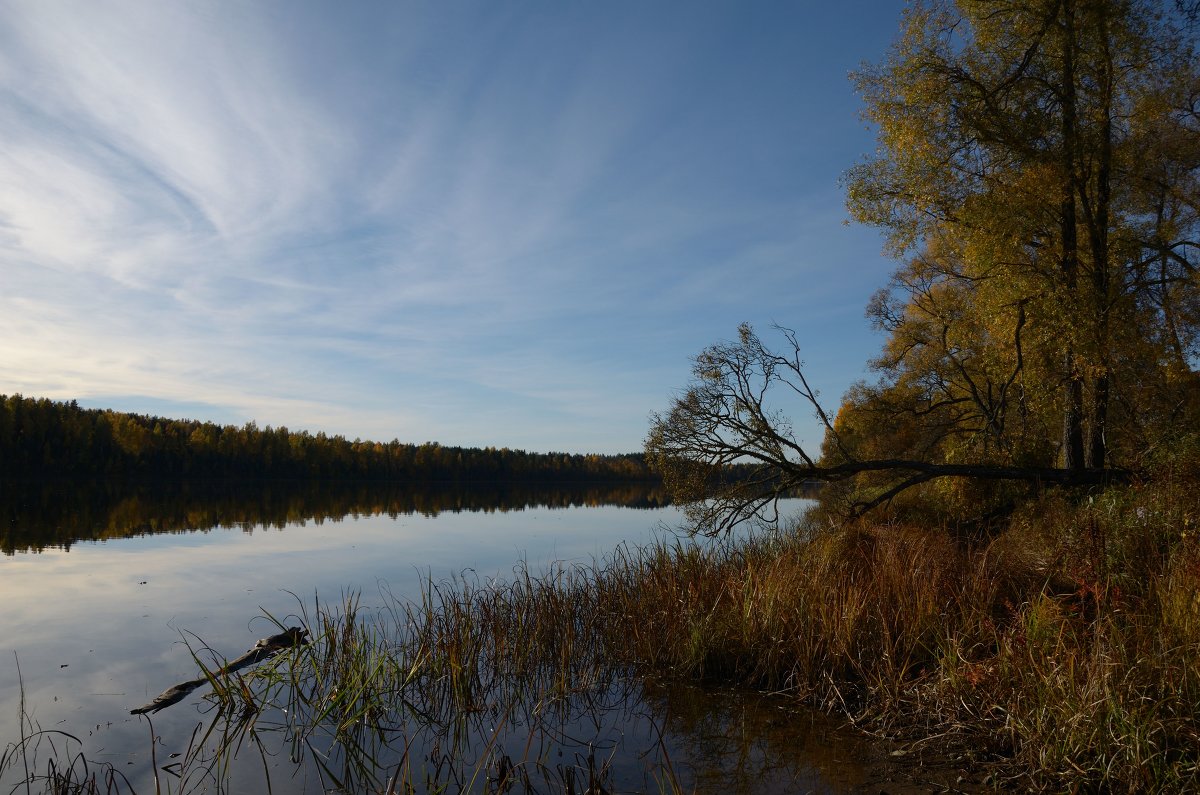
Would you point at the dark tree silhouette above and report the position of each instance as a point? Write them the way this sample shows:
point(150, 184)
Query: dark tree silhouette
point(728, 455)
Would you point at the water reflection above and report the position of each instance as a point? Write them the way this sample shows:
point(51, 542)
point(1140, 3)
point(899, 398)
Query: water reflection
point(100, 629)
point(747, 743)
point(615, 735)
point(55, 515)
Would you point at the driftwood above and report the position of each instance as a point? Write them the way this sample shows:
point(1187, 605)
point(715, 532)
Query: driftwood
point(263, 649)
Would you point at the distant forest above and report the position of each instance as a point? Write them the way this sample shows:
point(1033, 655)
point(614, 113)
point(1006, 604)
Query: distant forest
point(42, 438)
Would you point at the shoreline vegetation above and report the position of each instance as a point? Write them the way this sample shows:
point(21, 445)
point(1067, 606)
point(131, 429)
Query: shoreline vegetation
point(1059, 651)
point(1004, 563)
point(1055, 649)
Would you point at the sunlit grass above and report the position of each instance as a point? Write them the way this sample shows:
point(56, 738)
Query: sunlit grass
point(1063, 652)
point(1060, 652)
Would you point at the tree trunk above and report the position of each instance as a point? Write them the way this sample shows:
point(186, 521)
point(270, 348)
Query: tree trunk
point(1098, 221)
point(1072, 444)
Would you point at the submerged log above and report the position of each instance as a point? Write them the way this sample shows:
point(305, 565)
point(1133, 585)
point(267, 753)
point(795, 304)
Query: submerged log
point(263, 648)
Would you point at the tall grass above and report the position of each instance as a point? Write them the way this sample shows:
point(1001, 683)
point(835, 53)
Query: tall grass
point(473, 687)
point(1061, 652)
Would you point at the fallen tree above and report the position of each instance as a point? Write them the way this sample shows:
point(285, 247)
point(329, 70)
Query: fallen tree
point(728, 420)
point(264, 648)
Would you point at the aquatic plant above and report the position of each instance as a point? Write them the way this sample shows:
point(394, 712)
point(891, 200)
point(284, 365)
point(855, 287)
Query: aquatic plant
point(1059, 651)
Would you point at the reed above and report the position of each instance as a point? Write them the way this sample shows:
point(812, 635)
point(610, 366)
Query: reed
point(470, 688)
point(53, 761)
point(1061, 652)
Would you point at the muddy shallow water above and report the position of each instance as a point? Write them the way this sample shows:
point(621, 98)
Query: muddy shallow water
point(109, 593)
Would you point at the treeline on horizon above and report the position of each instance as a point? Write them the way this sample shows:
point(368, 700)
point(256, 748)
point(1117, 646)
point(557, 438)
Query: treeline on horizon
point(42, 438)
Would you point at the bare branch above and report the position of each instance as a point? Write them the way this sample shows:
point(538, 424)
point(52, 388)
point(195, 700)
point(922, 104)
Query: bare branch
point(727, 456)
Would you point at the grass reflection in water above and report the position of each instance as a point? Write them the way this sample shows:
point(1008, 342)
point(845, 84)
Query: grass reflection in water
point(470, 689)
point(519, 685)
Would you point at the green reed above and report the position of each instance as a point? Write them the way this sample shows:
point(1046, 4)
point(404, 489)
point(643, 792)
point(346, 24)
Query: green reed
point(417, 695)
point(53, 761)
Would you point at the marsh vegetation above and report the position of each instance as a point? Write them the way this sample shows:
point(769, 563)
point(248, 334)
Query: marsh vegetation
point(1003, 566)
point(438, 678)
point(1057, 649)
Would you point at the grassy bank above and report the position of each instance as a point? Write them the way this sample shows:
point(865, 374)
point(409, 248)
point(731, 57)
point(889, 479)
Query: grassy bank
point(1063, 650)
point(1060, 651)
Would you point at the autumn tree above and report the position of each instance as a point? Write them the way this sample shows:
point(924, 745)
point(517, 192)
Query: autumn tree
point(727, 451)
point(1038, 166)
point(1037, 178)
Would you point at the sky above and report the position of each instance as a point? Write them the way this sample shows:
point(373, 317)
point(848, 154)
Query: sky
point(506, 224)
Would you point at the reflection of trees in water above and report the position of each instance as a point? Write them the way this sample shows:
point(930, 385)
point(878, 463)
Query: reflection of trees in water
point(35, 516)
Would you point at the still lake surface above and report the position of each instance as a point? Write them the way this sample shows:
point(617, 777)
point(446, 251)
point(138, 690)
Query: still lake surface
point(102, 586)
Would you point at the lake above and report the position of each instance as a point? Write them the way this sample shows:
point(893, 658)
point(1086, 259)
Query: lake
point(109, 590)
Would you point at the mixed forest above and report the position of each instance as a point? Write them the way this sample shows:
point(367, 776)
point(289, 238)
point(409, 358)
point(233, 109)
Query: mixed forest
point(41, 438)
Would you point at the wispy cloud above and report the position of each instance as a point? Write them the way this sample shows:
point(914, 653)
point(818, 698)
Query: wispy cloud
point(483, 225)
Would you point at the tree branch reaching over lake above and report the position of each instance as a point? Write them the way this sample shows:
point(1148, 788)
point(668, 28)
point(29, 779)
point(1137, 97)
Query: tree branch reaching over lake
point(727, 455)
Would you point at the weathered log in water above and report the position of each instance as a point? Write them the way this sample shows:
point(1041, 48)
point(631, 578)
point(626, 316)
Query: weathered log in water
point(263, 648)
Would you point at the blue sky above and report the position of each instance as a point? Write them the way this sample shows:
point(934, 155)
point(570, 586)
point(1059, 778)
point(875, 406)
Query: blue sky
point(489, 223)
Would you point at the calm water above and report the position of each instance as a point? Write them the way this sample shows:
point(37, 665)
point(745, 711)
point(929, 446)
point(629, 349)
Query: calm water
point(102, 588)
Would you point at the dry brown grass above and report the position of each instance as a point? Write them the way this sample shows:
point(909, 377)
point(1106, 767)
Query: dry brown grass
point(1065, 651)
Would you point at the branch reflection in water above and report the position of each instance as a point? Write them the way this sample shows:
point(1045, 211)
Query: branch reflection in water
point(467, 683)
